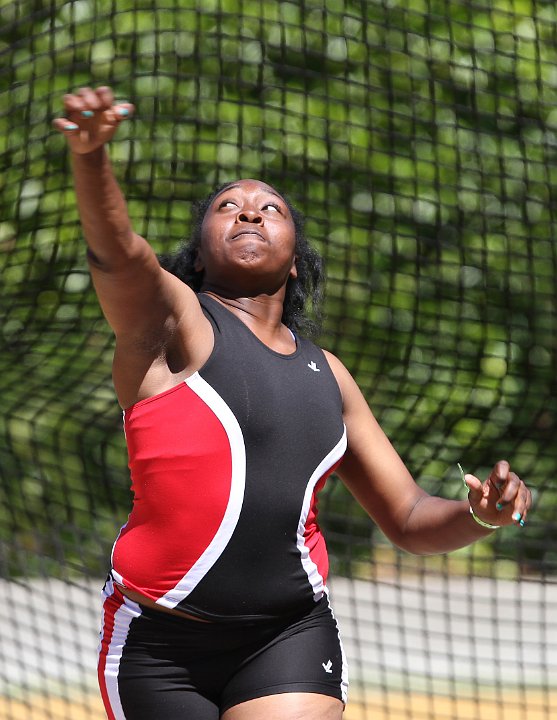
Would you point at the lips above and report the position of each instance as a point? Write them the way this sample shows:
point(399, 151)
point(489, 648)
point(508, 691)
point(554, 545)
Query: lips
point(248, 232)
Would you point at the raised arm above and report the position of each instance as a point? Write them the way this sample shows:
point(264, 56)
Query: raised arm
point(156, 318)
point(411, 518)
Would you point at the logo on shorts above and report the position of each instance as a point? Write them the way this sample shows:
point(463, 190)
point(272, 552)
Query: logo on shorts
point(328, 666)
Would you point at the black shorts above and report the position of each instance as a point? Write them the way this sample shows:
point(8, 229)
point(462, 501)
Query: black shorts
point(156, 665)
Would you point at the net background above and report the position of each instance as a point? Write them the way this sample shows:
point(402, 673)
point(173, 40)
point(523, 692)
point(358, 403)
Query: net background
point(419, 138)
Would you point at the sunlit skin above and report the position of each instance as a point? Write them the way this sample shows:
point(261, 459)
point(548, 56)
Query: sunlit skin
point(247, 255)
point(248, 241)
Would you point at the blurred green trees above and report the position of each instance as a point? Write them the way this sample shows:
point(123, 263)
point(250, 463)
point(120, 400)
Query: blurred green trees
point(421, 145)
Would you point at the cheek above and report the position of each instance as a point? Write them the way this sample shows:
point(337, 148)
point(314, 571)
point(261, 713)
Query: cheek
point(285, 235)
point(209, 232)
point(206, 230)
point(213, 230)
point(204, 249)
point(211, 252)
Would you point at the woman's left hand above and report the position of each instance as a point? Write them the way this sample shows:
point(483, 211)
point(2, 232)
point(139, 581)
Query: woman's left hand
point(502, 499)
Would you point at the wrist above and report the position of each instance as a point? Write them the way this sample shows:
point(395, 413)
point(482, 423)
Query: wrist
point(482, 523)
point(94, 157)
point(479, 521)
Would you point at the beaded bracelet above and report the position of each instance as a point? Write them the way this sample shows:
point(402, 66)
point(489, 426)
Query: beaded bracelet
point(481, 522)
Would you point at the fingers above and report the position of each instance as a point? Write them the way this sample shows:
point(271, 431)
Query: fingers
point(85, 100)
point(514, 496)
point(523, 506)
point(64, 125)
point(518, 497)
point(90, 101)
point(503, 498)
point(123, 110)
point(88, 105)
point(499, 475)
point(509, 491)
point(105, 95)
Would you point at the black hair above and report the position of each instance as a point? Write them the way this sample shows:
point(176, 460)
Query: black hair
point(308, 285)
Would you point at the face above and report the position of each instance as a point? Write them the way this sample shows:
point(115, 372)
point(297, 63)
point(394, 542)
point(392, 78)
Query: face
point(247, 240)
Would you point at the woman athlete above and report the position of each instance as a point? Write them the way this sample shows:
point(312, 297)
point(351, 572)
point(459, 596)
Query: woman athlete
point(216, 605)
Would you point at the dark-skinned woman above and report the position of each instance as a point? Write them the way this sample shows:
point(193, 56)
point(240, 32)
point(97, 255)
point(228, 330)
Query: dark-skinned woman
point(216, 605)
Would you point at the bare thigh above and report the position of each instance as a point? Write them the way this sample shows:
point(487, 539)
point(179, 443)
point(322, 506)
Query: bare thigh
point(287, 706)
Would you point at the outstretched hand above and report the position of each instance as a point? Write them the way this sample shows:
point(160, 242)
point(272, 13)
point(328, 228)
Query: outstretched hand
point(502, 499)
point(91, 118)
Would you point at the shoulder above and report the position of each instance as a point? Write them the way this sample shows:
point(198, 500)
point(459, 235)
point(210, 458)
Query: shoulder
point(355, 407)
point(343, 377)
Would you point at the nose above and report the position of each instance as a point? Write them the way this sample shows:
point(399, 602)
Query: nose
point(250, 216)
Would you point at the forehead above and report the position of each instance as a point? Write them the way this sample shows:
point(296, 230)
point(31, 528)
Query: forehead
point(250, 186)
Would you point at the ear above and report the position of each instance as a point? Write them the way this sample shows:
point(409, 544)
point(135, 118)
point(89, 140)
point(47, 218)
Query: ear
point(294, 270)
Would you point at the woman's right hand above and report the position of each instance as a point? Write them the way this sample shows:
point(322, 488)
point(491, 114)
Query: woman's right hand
point(91, 118)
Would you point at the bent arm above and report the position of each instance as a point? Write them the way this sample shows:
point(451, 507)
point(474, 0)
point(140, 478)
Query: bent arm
point(376, 476)
point(133, 290)
point(159, 325)
point(110, 239)
point(136, 295)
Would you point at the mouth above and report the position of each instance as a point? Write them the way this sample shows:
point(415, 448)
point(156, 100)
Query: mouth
point(248, 232)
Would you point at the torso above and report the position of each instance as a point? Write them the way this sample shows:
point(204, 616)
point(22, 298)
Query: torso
point(287, 411)
point(145, 368)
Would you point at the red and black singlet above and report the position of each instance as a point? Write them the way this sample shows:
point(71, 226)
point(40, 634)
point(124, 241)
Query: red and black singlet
point(225, 469)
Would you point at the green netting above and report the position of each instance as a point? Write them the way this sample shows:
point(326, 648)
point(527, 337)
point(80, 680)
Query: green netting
point(419, 138)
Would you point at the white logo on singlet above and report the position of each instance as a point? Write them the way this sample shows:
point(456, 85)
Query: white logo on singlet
point(313, 366)
point(328, 667)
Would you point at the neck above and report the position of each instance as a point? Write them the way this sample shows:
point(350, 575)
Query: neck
point(263, 311)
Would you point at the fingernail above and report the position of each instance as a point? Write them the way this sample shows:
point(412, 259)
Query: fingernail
point(87, 113)
point(516, 516)
point(123, 112)
point(71, 126)
point(499, 506)
point(522, 523)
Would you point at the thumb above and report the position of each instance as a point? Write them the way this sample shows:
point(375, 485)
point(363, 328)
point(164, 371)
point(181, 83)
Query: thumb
point(475, 488)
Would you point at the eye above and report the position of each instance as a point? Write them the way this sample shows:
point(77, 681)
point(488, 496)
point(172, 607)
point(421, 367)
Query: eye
point(227, 203)
point(273, 206)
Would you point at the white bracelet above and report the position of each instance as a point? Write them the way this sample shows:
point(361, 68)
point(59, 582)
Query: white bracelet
point(481, 522)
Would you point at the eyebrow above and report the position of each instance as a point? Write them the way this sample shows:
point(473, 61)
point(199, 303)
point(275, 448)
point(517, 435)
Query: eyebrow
point(231, 187)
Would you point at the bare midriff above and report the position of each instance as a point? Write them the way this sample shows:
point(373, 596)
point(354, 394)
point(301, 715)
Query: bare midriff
point(147, 602)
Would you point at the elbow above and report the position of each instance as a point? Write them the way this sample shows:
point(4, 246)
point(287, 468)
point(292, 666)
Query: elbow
point(410, 536)
point(413, 545)
point(93, 259)
point(124, 255)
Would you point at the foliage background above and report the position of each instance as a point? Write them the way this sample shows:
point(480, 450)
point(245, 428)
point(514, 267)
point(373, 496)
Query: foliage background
point(419, 137)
